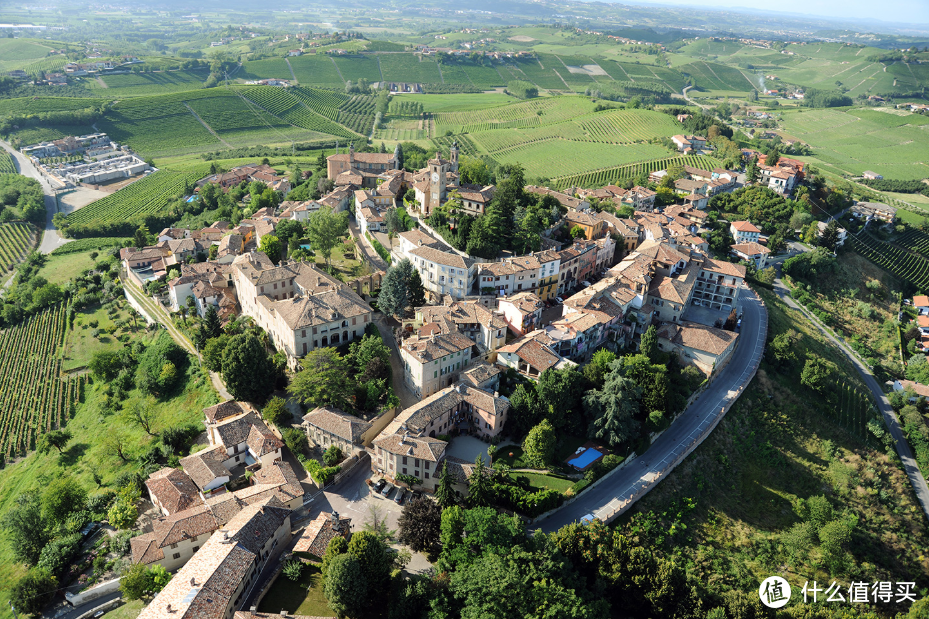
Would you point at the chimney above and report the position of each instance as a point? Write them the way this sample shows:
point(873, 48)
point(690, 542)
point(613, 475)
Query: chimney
point(193, 581)
point(253, 610)
point(496, 394)
point(283, 613)
point(335, 517)
point(168, 608)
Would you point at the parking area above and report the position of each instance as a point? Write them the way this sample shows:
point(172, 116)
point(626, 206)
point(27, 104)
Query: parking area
point(468, 448)
point(704, 315)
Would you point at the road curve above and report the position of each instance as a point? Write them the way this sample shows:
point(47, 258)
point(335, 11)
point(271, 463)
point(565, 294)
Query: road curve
point(890, 417)
point(638, 477)
point(50, 238)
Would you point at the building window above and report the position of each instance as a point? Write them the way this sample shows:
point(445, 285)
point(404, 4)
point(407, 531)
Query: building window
point(404, 470)
point(404, 459)
point(177, 555)
point(427, 475)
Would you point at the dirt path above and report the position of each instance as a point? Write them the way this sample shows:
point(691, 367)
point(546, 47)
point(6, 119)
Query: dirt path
point(206, 126)
point(291, 69)
point(102, 83)
point(337, 70)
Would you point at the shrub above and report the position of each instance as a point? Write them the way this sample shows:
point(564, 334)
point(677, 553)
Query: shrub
point(333, 455)
point(293, 569)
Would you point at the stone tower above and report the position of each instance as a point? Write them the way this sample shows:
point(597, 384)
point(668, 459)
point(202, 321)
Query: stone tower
point(453, 155)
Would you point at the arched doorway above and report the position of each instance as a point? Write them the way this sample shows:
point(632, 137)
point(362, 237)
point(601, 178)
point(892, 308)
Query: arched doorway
point(325, 341)
point(335, 338)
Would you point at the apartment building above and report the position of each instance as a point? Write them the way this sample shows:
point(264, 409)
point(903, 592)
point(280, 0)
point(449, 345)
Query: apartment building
point(744, 232)
point(443, 273)
point(327, 426)
point(486, 328)
point(433, 362)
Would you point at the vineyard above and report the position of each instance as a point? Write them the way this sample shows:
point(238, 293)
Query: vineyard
point(906, 266)
point(6, 163)
point(354, 68)
point(37, 105)
point(34, 397)
point(525, 114)
point(157, 126)
point(409, 68)
point(549, 159)
point(605, 176)
point(147, 195)
point(16, 239)
point(299, 107)
point(613, 127)
point(316, 71)
point(711, 76)
point(155, 82)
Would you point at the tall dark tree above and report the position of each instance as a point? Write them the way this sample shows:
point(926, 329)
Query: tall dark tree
point(830, 236)
point(415, 290)
point(346, 588)
point(33, 591)
point(211, 324)
point(612, 410)
point(420, 525)
point(480, 490)
point(648, 344)
point(25, 528)
point(326, 379)
point(444, 493)
point(247, 369)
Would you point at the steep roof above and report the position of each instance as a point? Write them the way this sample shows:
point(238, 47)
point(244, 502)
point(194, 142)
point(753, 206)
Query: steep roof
point(425, 349)
point(441, 257)
point(206, 465)
point(698, 337)
point(424, 448)
point(751, 249)
point(174, 489)
point(533, 353)
point(745, 226)
point(316, 536)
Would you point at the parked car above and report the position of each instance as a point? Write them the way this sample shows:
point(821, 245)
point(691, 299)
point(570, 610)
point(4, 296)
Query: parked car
point(586, 284)
point(559, 300)
point(401, 496)
point(379, 485)
point(388, 489)
point(417, 494)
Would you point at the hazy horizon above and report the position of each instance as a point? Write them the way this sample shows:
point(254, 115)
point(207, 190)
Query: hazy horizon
point(890, 11)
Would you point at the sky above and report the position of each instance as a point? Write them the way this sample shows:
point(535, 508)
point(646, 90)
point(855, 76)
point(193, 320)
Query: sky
point(914, 12)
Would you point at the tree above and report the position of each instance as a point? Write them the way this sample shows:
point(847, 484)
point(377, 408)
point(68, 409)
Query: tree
point(369, 350)
point(213, 352)
point(325, 380)
point(415, 290)
point(142, 415)
point(136, 581)
point(115, 442)
point(815, 373)
point(346, 588)
point(105, 365)
point(54, 438)
point(332, 455)
point(595, 371)
point(525, 410)
point(142, 237)
point(375, 558)
point(247, 369)
point(324, 228)
point(559, 396)
point(480, 490)
point(123, 512)
point(613, 409)
point(61, 497)
point(211, 323)
point(160, 577)
point(34, 591)
point(26, 528)
point(275, 411)
point(751, 171)
point(782, 347)
point(830, 236)
point(420, 525)
point(444, 493)
point(577, 232)
point(337, 545)
point(394, 296)
point(648, 343)
point(539, 445)
point(398, 151)
point(272, 247)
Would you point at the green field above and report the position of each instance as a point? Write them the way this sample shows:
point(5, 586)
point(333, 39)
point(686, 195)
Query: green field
point(852, 141)
point(318, 71)
point(154, 83)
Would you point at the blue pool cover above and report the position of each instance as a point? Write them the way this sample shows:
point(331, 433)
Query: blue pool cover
point(585, 458)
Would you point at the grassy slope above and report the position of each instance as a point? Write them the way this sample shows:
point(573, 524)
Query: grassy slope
point(85, 454)
point(770, 450)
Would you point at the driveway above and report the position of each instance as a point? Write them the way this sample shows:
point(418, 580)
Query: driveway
point(376, 262)
point(407, 397)
point(678, 441)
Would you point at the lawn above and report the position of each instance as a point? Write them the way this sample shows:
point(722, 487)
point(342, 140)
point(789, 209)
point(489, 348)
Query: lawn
point(345, 268)
point(301, 597)
point(542, 482)
point(514, 461)
point(129, 610)
point(60, 269)
point(81, 344)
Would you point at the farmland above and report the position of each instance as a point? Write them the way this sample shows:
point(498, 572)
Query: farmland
point(852, 141)
point(318, 71)
point(604, 176)
point(531, 113)
point(152, 83)
point(16, 239)
point(6, 163)
point(34, 397)
point(145, 196)
point(906, 266)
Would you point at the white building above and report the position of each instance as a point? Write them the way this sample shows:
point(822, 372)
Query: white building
point(443, 272)
point(434, 362)
point(744, 232)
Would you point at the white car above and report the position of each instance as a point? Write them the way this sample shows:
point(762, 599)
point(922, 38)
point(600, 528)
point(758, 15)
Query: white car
point(559, 300)
point(586, 520)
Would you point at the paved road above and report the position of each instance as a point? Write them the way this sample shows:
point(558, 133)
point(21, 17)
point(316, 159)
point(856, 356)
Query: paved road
point(890, 417)
point(376, 262)
point(407, 398)
point(50, 237)
point(678, 440)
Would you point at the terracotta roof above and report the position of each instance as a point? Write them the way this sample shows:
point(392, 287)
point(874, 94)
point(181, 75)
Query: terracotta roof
point(481, 373)
point(262, 441)
point(533, 353)
point(234, 431)
point(317, 309)
point(206, 465)
point(332, 420)
point(745, 226)
point(921, 300)
point(435, 347)
point(441, 257)
point(525, 302)
point(384, 158)
point(174, 489)
point(723, 267)
point(750, 249)
point(316, 536)
point(424, 448)
point(698, 337)
point(920, 389)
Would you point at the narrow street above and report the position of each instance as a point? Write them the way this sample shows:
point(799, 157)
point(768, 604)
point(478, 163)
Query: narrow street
point(376, 262)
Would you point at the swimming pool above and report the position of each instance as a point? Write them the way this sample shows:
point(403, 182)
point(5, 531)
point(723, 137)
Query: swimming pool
point(584, 460)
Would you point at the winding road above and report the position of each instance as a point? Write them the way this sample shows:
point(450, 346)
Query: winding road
point(50, 238)
point(623, 487)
